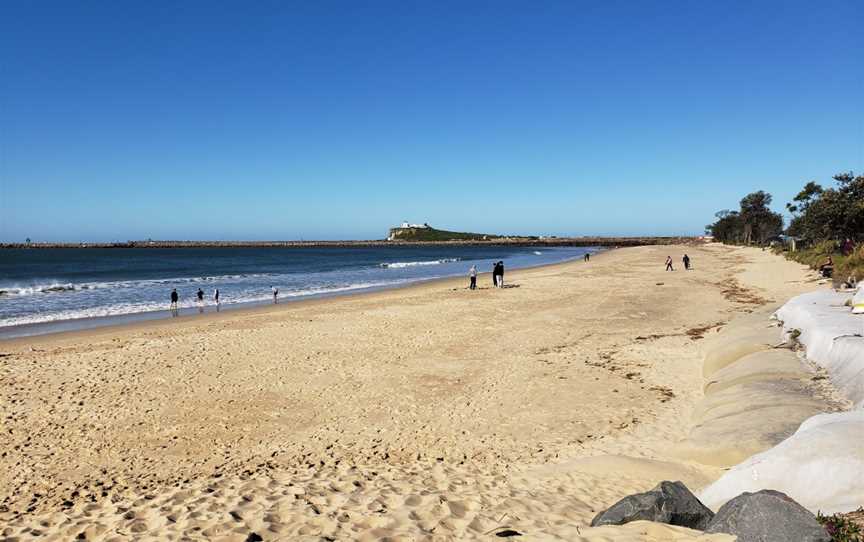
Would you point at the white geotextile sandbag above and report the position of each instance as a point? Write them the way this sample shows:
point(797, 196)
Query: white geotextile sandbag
point(833, 338)
point(821, 466)
point(858, 300)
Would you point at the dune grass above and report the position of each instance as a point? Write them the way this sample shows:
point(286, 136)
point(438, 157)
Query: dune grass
point(844, 527)
point(844, 266)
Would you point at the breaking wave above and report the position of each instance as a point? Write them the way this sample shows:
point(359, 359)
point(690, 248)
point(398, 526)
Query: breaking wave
point(57, 287)
point(119, 309)
point(402, 265)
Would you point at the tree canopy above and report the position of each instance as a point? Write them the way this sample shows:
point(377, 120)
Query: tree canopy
point(822, 214)
point(754, 222)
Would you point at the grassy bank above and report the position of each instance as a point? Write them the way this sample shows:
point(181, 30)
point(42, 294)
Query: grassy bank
point(844, 266)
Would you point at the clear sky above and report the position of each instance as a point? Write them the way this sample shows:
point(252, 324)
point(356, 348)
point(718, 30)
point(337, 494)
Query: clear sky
point(337, 119)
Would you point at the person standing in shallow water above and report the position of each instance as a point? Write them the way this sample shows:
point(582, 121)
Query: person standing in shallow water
point(174, 299)
point(669, 264)
point(275, 295)
point(472, 275)
point(686, 261)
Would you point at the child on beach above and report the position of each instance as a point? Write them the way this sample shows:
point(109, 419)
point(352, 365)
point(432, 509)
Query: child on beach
point(472, 274)
point(669, 264)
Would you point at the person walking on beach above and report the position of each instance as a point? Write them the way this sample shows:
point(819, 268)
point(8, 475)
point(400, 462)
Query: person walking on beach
point(669, 264)
point(587, 256)
point(174, 299)
point(686, 260)
point(472, 275)
point(275, 295)
point(500, 274)
point(495, 275)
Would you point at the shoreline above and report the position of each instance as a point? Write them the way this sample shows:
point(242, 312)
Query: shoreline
point(191, 314)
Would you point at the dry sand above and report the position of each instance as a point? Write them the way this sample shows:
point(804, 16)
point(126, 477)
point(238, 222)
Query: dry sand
point(430, 412)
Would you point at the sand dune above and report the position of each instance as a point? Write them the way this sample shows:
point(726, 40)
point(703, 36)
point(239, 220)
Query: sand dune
point(429, 412)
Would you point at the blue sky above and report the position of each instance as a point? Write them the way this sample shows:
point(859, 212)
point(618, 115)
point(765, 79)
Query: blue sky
point(327, 120)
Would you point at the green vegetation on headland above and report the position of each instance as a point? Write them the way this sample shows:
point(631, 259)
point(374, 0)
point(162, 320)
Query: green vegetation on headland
point(826, 222)
point(428, 233)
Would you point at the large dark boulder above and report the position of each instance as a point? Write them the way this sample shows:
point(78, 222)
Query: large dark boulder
point(767, 516)
point(669, 502)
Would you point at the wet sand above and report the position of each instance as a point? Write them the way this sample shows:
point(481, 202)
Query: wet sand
point(421, 413)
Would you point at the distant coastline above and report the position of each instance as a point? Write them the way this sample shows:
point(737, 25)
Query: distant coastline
point(499, 241)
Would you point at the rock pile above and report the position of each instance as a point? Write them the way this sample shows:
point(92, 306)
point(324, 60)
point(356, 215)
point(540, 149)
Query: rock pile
point(764, 516)
point(669, 502)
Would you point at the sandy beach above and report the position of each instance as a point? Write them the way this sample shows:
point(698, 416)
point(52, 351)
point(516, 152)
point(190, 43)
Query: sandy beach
point(424, 413)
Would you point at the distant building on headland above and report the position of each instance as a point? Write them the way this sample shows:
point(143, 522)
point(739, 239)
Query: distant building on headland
point(406, 228)
point(407, 225)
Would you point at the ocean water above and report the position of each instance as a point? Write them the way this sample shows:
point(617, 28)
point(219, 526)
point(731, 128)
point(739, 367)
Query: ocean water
point(47, 290)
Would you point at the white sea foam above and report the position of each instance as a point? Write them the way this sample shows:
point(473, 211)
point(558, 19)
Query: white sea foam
point(53, 287)
point(120, 309)
point(402, 265)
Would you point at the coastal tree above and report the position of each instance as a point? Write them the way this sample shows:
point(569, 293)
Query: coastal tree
point(754, 222)
point(760, 223)
point(829, 214)
point(799, 206)
point(727, 228)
